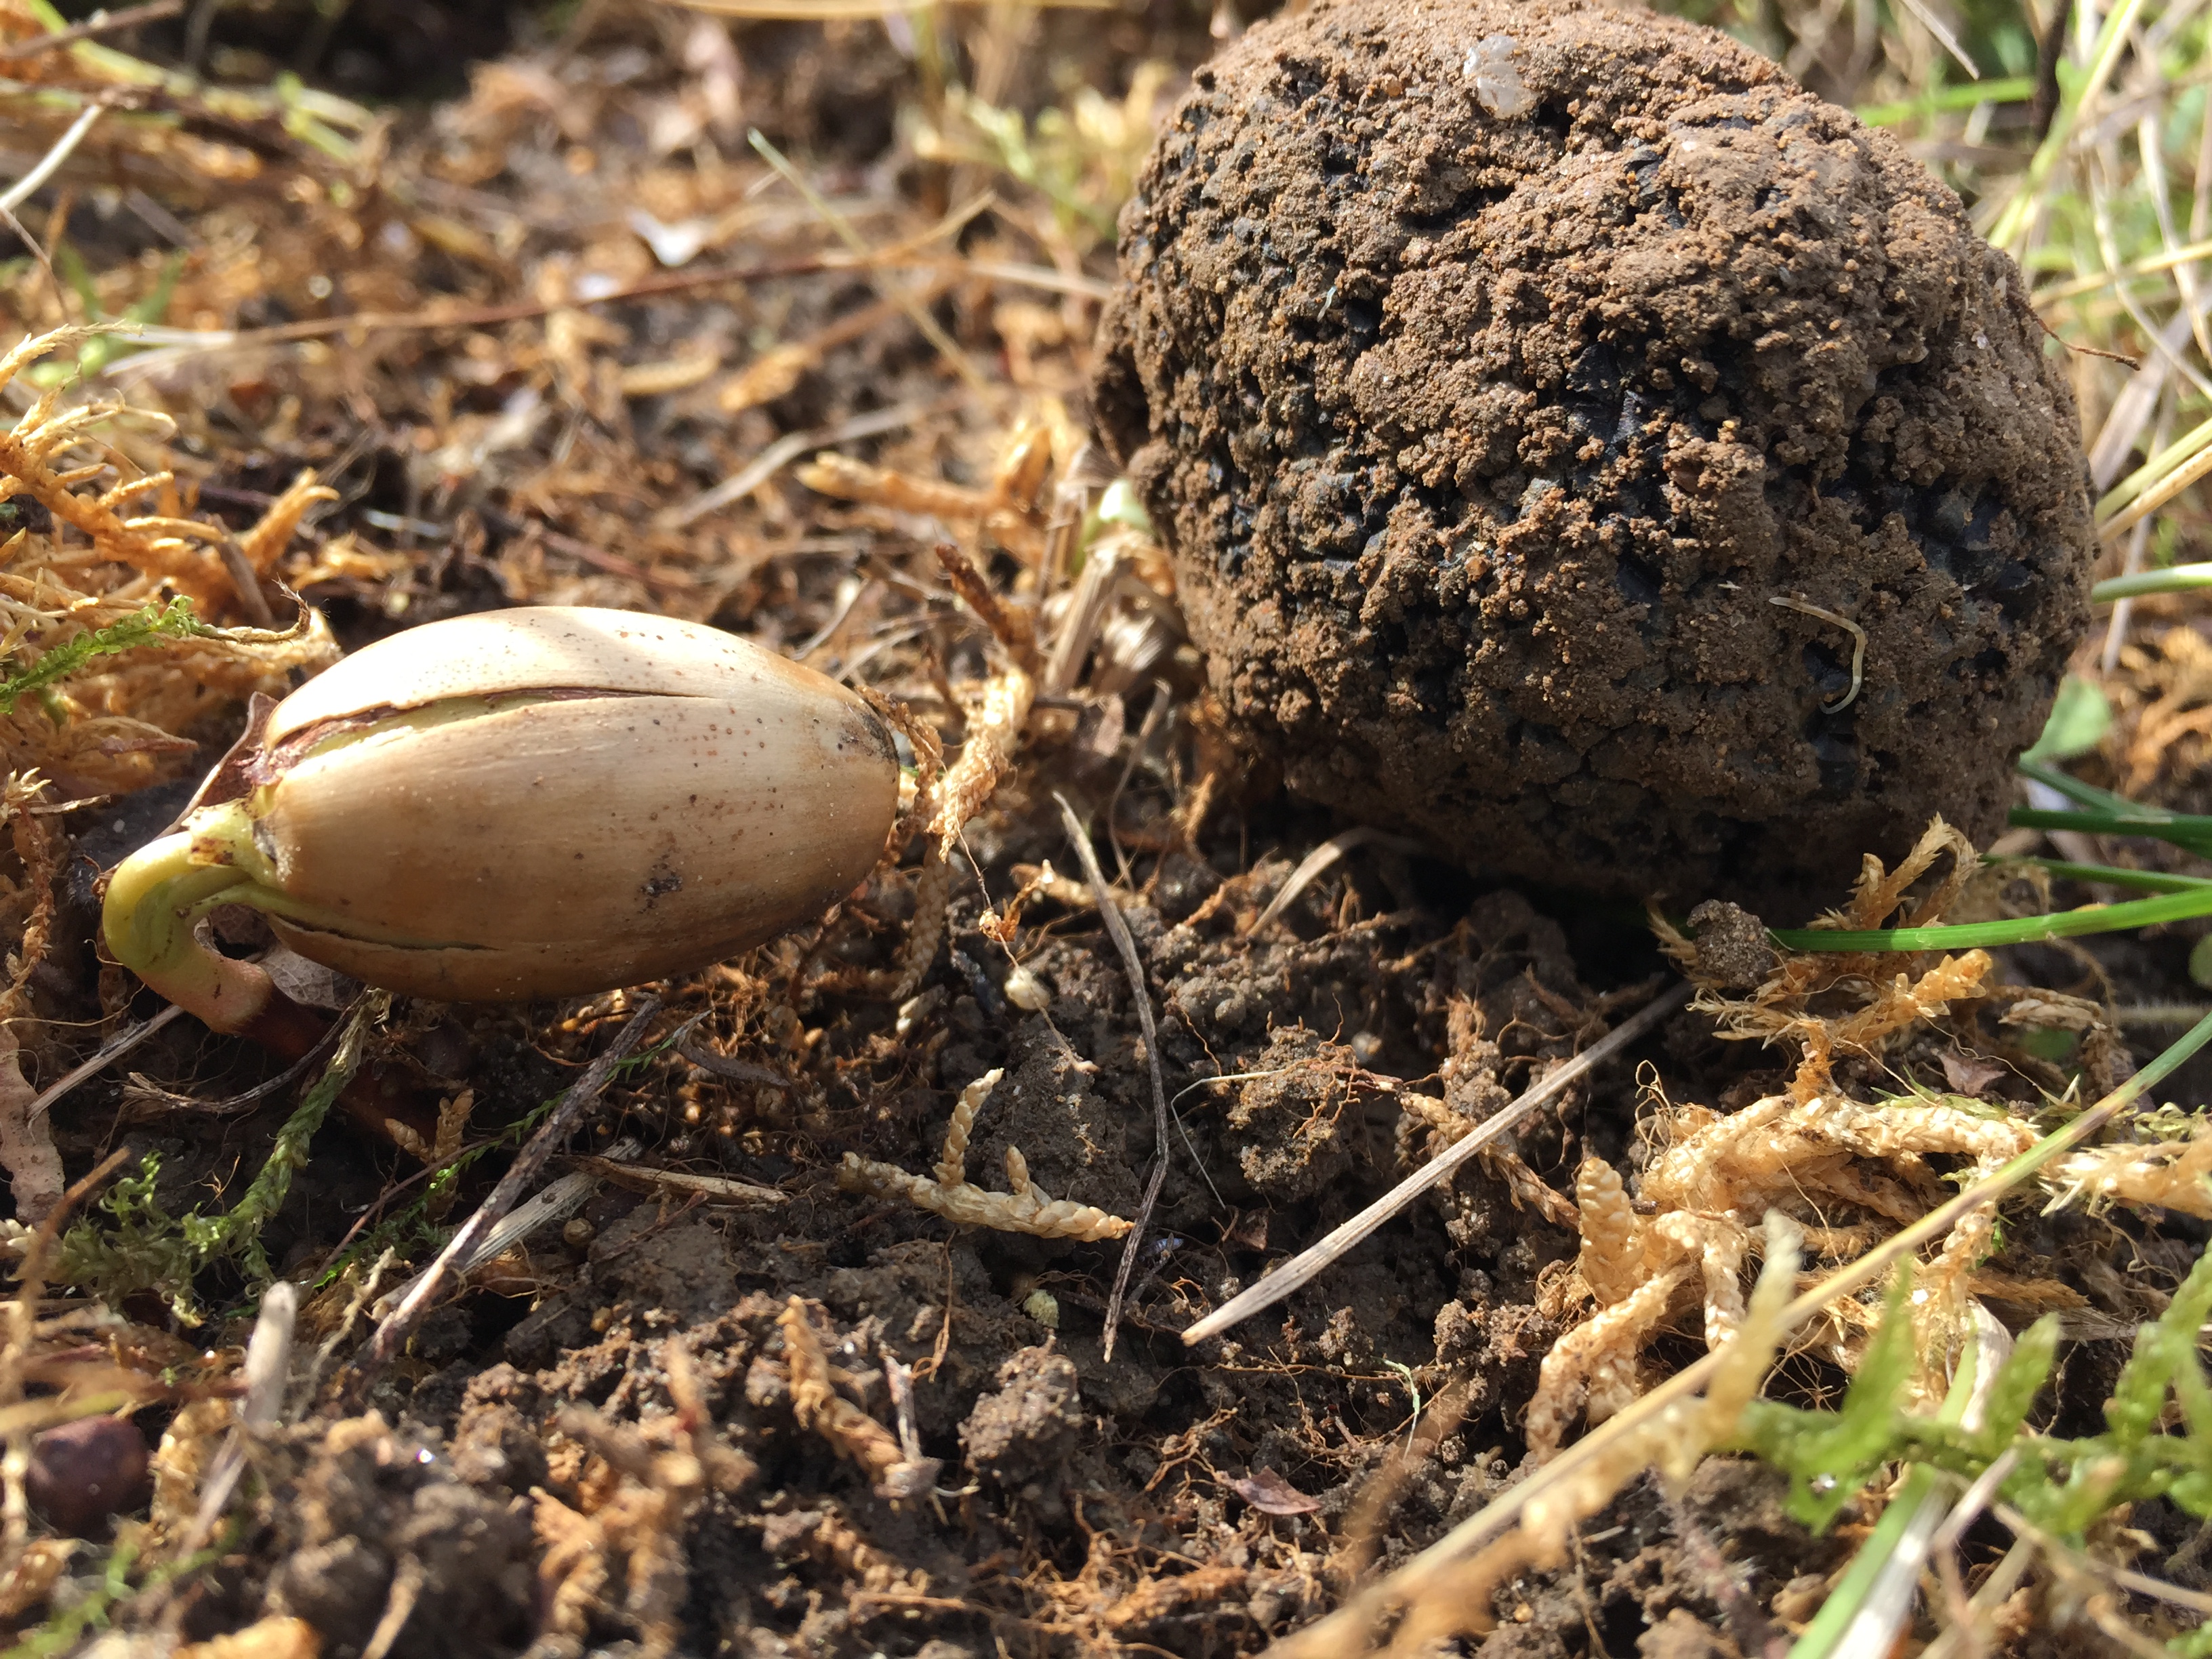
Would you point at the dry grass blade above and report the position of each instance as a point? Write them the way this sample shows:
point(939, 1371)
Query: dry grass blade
point(1314, 863)
point(781, 453)
point(709, 1189)
point(1111, 915)
point(29, 185)
point(1303, 1267)
point(106, 1056)
point(268, 1363)
point(908, 300)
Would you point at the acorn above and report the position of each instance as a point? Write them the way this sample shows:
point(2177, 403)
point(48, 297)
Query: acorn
point(539, 802)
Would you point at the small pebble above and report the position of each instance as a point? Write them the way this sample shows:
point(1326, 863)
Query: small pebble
point(1027, 992)
point(84, 1471)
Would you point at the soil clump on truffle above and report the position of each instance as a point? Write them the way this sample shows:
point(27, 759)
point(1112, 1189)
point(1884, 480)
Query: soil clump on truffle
point(1580, 443)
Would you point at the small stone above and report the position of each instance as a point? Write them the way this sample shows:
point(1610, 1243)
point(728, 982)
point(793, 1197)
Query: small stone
point(1733, 953)
point(85, 1472)
point(1027, 992)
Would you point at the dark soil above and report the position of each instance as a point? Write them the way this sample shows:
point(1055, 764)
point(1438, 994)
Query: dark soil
point(1492, 392)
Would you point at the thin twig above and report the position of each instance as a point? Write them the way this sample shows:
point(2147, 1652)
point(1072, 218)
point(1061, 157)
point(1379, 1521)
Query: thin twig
point(1119, 930)
point(100, 22)
point(397, 1326)
point(106, 1056)
point(786, 450)
point(1306, 1264)
point(25, 187)
point(737, 1071)
point(1959, 1607)
point(184, 342)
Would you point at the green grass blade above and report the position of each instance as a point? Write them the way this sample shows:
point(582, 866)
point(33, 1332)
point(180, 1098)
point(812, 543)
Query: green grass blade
point(2112, 38)
point(2193, 836)
point(2112, 875)
point(2174, 579)
point(2023, 930)
point(2018, 89)
point(2175, 454)
point(1841, 1610)
point(2102, 800)
point(2108, 814)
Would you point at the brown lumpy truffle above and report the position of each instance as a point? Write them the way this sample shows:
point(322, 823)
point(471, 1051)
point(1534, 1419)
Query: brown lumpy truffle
point(1516, 385)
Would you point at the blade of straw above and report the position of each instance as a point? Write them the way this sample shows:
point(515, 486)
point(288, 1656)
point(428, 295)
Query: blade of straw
point(1307, 1263)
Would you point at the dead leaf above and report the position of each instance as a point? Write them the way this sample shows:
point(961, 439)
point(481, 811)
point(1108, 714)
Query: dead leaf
point(1969, 1076)
point(1269, 1493)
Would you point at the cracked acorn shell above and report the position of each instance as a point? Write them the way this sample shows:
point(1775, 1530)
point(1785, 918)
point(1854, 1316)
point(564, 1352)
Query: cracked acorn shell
point(549, 801)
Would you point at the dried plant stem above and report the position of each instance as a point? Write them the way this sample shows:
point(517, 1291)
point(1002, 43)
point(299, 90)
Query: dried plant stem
point(1023, 1208)
point(1315, 863)
point(1119, 930)
point(122, 1045)
point(560, 1122)
point(906, 300)
point(1304, 1266)
point(101, 22)
point(27, 187)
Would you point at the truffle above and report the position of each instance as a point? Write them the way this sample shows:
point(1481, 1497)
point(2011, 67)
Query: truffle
point(1579, 443)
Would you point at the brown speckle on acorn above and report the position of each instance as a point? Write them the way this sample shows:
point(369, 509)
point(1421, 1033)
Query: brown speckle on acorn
point(1492, 370)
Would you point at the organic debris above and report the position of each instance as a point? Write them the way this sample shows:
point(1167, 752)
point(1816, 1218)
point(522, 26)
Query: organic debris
point(1021, 1209)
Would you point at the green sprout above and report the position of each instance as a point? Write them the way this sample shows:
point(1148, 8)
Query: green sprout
point(2064, 1486)
point(140, 1246)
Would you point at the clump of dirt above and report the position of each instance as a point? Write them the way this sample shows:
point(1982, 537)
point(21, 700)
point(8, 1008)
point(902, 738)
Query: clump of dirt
point(366, 1509)
point(1581, 444)
point(1022, 1436)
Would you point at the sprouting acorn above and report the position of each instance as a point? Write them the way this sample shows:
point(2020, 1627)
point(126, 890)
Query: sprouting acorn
point(538, 802)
